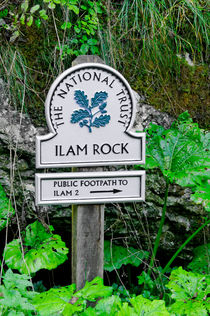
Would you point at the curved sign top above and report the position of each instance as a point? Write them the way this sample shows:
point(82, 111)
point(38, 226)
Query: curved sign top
point(90, 110)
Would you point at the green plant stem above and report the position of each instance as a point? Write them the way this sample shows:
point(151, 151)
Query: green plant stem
point(157, 240)
point(183, 245)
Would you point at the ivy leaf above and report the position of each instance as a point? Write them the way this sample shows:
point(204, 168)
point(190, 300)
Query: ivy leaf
point(92, 41)
point(94, 50)
point(42, 251)
point(79, 115)
point(200, 262)
point(116, 256)
point(35, 8)
point(24, 5)
point(145, 307)
point(102, 120)
point(74, 8)
point(81, 98)
point(84, 48)
point(6, 209)
point(99, 97)
point(51, 5)
point(30, 20)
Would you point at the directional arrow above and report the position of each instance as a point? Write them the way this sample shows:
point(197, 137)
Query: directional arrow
point(107, 191)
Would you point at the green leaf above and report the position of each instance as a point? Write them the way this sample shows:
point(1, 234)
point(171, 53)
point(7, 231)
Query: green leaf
point(108, 306)
point(73, 8)
point(42, 250)
point(54, 301)
point(16, 297)
point(66, 25)
point(77, 29)
point(24, 5)
point(30, 20)
point(22, 19)
point(116, 256)
point(202, 196)
point(188, 290)
point(38, 22)
point(94, 289)
point(84, 48)
point(126, 310)
point(64, 300)
point(201, 259)
point(179, 150)
point(94, 50)
point(35, 8)
point(92, 41)
point(51, 5)
point(189, 308)
point(6, 209)
point(14, 36)
point(145, 307)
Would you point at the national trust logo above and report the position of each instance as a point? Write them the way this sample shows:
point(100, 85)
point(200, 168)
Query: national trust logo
point(93, 113)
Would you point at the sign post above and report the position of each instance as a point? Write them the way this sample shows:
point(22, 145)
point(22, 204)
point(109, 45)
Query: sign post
point(90, 111)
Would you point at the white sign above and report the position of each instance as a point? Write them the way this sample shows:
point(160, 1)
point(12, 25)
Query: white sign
point(90, 110)
point(90, 187)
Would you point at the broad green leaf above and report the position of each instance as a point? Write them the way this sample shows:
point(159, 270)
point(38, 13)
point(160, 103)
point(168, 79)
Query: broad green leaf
point(15, 294)
point(94, 289)
point(188, 290)
point(108, 306)
point(126, 310)
point(189, 308)
point(145, 307)
point(64, 301)
point(201, 259)
point(182, 154)
point(42, 250)
point(54, 301)
point(116, 256)
point(179, 150)
point(202, 196)
point(6, 209)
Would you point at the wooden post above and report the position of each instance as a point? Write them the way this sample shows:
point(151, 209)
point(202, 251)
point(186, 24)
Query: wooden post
point(87, 227)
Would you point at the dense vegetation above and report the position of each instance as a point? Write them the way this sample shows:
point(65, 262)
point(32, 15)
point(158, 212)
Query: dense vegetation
point(161, 47)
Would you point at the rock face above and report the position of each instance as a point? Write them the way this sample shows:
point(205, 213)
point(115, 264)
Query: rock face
point(136, 224)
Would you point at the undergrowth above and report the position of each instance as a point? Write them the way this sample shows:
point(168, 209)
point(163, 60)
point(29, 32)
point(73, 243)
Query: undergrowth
point(160, 47)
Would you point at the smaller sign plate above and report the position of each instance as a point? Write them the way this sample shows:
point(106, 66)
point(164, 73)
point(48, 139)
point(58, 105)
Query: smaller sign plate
point(90, 187)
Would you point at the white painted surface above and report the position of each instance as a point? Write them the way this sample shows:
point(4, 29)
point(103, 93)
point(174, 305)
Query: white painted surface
point(68, 144)
point(90, 187)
